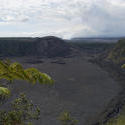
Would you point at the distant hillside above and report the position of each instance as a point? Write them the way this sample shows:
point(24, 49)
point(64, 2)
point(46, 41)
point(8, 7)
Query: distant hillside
point(92, 47)
point(117, 54)
point(49, 46)
point(96, 39)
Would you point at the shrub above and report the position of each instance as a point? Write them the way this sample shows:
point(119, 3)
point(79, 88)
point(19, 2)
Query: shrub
point(21, 113)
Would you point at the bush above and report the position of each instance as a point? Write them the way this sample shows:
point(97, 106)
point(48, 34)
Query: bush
point(67, 119)
point(21, 113)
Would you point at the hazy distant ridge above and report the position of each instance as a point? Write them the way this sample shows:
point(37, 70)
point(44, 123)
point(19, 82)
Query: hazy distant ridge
point(96, 39)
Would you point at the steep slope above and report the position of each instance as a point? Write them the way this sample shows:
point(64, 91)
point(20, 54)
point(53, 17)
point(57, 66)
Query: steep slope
point(117, 54)
point(52, 46)
point(49, 46)
point(111, 61)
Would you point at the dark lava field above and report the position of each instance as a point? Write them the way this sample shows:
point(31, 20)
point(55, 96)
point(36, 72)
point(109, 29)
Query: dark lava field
point(80, 87)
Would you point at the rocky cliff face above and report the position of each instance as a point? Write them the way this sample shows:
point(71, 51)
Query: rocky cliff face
point(47, 46)
point(52, 46)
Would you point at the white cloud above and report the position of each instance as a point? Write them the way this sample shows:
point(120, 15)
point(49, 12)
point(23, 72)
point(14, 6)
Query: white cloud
point(64, 18)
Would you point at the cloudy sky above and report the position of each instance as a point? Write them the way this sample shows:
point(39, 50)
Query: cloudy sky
point(63, 18)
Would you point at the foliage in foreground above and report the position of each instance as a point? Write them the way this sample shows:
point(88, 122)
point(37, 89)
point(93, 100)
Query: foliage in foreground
point(4, 91)
point(15, 71)
point(22, 111)
point(67, 119)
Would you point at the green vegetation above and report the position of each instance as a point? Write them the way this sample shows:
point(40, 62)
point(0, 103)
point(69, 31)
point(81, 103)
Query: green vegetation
point(4, 92)
point(22, 112)
point(117, 55)
point(15, 71)
point(67, 119)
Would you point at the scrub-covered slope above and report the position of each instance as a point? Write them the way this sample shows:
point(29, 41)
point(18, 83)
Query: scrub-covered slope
point(117, 54)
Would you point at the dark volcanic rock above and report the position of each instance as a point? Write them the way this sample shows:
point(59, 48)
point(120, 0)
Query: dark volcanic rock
point(52, 46)
point(49, 46)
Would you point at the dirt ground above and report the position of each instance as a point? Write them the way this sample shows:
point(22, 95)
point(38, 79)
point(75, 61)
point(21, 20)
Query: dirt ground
point(81, 88)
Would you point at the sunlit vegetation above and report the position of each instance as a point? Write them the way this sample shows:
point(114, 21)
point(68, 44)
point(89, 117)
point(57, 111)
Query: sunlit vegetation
point(22, 109)
point(15, 71)
point(4, 91)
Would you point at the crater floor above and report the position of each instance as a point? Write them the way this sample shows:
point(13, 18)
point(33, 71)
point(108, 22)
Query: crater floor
point(81, 88)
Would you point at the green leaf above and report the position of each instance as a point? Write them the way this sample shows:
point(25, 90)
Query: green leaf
point(15, 71)
point(123, 66)
point(4, 91)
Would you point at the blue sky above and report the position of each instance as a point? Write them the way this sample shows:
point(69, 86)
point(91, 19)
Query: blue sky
point(62, 18)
